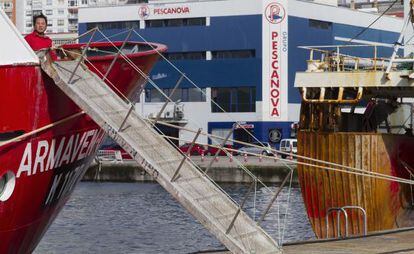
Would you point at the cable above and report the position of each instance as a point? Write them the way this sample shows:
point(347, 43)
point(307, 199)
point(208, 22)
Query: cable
point(372, 23)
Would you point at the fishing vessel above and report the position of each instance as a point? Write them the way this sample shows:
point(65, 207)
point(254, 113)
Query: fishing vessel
point(46, 141)
point(355, 139)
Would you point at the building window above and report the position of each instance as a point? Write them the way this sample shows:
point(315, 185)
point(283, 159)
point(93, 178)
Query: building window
point(72, 3)
point(182, 94)
point(49, 2)
point(84, 2)
point(197, 55)
point(61, 2)
point(28, 13)
point(233, 54)
point(233, 99)
point(49, 12)
point(29, 2)
point(175, 22)
point(61, 22)
point(28, 24)
point(61, 11)
point(113, 25)
point(318, 24)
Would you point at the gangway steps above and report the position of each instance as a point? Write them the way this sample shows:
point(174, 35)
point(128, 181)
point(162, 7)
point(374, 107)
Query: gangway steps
point(204, 200)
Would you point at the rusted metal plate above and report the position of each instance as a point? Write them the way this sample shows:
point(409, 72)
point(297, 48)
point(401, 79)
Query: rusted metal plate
point(388, 204)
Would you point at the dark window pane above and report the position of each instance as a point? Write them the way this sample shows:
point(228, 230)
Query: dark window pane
point(196, 22)
point(176, 96)
point(240, 99)
point(194, 94)
point(156, 96)
point(155, 23)
point(222, 97)
point(147, 95)
point(173, 56)
point(182, 94)
point(233, 102)
point(319, 24)
point(243, 99)
point(233, 54)
point(175, 22)
point(195, 55)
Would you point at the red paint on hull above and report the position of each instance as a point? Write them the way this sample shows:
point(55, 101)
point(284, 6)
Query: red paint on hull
point(30, 100)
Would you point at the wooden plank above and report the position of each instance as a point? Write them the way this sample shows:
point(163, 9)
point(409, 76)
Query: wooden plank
point(313, 183)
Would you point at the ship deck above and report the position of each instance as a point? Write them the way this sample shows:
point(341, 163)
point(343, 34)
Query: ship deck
point(395, 241)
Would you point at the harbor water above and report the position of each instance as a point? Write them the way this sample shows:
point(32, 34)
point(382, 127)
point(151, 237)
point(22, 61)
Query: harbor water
point(144, 218)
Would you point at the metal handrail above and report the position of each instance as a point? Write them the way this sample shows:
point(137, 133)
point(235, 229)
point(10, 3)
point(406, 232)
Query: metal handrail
point(364, 213)
point(338, 223)
point(338, 216)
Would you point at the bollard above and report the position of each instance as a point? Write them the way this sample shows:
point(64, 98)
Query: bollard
point(231, 157)
point(202, 155)
point(275, 157)
point(245, 157)
point(291, 152)
point(216, 158)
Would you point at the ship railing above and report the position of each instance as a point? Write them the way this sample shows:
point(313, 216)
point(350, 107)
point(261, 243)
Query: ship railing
point(343, 210)
point(109, 155)
point(330, 58)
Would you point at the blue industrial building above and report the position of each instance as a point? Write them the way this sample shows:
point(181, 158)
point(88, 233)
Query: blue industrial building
point(226, 48)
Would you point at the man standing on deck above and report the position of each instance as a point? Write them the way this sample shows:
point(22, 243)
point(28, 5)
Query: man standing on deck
point(37, 39)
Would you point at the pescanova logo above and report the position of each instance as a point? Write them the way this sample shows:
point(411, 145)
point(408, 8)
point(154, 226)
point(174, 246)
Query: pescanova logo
point(144, 12)
point(275, 13)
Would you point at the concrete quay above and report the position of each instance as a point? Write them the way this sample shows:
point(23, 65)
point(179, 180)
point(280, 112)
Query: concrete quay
point(223, 170)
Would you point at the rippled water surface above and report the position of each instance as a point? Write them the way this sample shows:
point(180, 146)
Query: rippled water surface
point(144, 218)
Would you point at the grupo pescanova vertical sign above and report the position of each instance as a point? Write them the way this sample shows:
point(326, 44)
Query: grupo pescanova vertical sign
point(275, 60)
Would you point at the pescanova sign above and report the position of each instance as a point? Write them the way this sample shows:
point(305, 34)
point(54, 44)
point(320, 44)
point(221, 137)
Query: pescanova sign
point(146, 11)
point(275, 52)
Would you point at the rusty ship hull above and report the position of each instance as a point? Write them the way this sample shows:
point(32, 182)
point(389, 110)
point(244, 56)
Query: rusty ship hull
point(388, 205)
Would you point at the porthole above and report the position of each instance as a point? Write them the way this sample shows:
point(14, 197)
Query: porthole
point(7, 184)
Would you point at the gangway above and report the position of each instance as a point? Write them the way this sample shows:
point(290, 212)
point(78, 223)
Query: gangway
point(213, 208)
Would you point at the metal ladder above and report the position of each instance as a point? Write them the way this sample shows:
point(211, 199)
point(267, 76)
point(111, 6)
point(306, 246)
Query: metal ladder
point(193, 189)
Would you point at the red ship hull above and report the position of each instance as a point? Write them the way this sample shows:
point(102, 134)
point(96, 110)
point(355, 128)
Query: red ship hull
point(48, 164)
